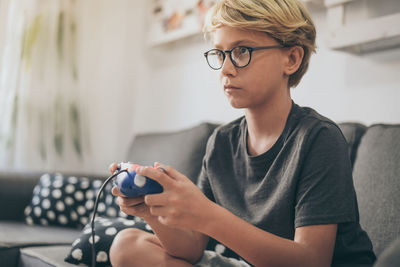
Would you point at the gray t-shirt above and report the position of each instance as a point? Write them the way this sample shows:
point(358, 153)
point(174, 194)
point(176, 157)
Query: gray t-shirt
point(303, 179)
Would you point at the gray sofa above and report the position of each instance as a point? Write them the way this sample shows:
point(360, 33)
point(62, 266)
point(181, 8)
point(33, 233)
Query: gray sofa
point(374, 150)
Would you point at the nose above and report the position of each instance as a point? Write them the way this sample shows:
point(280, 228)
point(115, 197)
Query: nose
point(228, 69)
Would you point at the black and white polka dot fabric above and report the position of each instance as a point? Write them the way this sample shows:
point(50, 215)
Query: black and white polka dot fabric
point(60, 200)
point(105, 231)
point(219, 248)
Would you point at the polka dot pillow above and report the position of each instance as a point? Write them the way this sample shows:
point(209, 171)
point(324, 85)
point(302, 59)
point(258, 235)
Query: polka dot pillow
point(60, 200)
point(105, 231)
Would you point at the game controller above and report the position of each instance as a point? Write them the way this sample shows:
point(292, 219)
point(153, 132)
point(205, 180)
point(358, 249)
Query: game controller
point(132, 184)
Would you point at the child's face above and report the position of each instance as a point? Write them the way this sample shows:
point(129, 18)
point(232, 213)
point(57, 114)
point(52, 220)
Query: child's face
point(262, 80)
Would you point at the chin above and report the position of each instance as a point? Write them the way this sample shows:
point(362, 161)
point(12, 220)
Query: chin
point(237, 105)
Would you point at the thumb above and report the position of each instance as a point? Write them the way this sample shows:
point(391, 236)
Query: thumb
point(176, 175)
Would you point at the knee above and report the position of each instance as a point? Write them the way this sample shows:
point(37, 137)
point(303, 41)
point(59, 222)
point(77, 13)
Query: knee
point(124, 243)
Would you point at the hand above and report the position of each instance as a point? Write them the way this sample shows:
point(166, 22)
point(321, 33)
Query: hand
point(130, 206)
point(113, 167)
point(181, 204)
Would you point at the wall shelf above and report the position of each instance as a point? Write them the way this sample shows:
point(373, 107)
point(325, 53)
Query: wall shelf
point(313, 2)
point(362, 26)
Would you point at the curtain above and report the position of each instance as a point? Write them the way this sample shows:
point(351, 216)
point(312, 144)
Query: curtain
point(43, 108)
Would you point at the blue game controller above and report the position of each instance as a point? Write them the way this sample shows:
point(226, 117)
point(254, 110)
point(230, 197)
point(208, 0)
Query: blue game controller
point(132, 184)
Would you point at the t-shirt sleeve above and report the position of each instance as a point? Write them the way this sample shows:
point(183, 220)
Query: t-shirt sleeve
point(203, 181)
point(325, 192)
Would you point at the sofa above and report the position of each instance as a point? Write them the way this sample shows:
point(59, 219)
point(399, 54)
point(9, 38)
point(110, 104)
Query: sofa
point(374, 151)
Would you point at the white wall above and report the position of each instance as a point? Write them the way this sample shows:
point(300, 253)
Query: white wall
point(350, 87)
point(109, 77)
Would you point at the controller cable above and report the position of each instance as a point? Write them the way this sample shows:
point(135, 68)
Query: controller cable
point(95, 210)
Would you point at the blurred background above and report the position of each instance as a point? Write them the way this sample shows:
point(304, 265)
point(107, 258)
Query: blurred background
point(79, 78)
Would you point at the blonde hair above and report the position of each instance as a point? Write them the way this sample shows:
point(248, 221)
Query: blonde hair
point(287, 21)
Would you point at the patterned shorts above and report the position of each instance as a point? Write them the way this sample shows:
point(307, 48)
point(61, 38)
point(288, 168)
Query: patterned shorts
point(211, 258)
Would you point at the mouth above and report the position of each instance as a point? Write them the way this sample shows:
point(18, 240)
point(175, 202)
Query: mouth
point(230, 88)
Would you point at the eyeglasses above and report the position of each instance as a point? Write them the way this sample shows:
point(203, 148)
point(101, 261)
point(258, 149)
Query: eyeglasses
point(240, 55)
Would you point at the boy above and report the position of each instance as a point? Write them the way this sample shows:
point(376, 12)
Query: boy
point(276, 185)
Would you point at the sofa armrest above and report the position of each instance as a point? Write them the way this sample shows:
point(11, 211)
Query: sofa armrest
point(16, 190)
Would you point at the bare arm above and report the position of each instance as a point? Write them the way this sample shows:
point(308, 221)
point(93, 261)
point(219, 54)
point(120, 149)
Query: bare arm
point(181, 243)
point(312, 245)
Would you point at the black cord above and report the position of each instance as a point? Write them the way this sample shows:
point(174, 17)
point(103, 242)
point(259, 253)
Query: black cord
point(95, 210)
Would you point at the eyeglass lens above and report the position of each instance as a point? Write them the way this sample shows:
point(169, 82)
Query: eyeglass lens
point(240, 57)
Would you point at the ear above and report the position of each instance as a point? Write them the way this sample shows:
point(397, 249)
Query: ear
point(295, 56)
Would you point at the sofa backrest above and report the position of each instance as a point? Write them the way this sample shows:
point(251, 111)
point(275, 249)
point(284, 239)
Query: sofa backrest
point(376, 174)
point(16, 190)
point(184, 150)
point(15, 193)
point(352, 132)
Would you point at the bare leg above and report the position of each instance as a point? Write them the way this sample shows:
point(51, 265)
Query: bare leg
point(134, 247)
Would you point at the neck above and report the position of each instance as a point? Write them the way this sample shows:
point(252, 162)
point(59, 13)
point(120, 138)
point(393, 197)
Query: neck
point(266, 123)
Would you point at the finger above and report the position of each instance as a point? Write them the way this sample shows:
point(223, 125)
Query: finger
point(135, 210)
point(156, 164)
point(157, 175)
point(113, 167)
point(172, 172)
point(130, 202)
point(159, 211)
point(156, 199)
point(115, 192)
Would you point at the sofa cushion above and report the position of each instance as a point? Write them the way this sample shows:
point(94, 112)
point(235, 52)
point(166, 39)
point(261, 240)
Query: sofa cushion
point(390, 257)
point(183, 150)
point(44, 256)
point(353, 133)
point(18, 234)
point(377, 181)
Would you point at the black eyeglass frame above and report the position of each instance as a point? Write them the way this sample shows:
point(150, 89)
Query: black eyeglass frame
point(249, 48)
